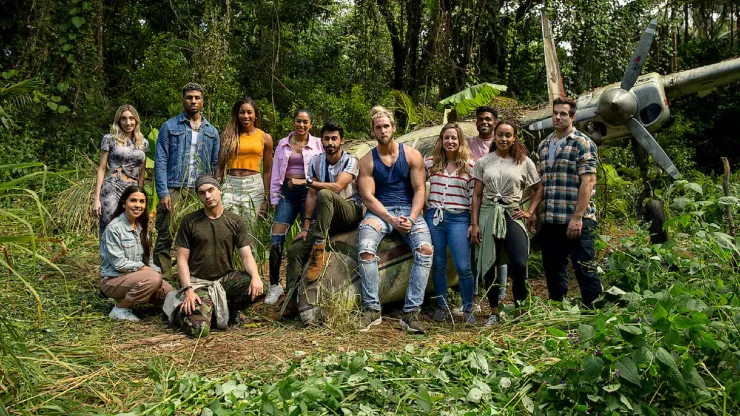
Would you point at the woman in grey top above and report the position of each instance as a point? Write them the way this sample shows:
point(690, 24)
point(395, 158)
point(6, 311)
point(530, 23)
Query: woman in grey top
point(123, 150)
point(125, 273)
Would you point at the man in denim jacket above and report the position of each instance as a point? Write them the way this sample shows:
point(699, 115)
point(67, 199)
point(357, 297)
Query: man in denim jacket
point(187, 147)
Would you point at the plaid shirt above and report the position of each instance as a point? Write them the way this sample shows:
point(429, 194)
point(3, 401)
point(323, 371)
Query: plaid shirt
point(562, 179)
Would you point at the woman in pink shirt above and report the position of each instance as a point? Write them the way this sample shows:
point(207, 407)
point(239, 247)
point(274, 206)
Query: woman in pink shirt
point(288, 190)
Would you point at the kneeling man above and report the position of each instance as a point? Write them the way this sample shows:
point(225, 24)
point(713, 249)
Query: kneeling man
point(212, 289)
point(333, 196)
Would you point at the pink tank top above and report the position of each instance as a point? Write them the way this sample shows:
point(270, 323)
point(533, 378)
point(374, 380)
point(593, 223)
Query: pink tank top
point(295, 164)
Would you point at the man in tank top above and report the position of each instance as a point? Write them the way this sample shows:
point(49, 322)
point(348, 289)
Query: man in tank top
point(392, 186)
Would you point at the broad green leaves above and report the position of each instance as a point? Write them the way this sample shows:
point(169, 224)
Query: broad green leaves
point(468, 99)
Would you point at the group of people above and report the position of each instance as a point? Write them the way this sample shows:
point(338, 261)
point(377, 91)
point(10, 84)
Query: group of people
point(477, 192)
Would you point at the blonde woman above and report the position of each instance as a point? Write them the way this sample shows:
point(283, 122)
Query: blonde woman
point(244, 149)
point(123, 152)
point(448, 217)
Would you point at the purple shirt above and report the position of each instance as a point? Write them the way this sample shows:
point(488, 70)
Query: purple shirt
point(280, 162)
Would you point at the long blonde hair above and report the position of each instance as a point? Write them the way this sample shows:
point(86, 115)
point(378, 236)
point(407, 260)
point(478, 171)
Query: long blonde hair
point(230, 136)
point(462, 155)
point(378, 112)
point(117, 132)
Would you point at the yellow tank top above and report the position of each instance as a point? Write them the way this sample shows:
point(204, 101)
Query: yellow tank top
point(250, 151)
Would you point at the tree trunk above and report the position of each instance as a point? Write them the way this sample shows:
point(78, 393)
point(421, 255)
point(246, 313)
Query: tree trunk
point(397, 44)
point(726, 189)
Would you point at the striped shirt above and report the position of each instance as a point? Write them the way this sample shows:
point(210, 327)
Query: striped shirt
point(562, 178)
point(320, 169)
point(450, 191)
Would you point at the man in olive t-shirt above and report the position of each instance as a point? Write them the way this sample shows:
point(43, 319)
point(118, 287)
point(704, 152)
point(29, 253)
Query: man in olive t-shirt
point(206, 240)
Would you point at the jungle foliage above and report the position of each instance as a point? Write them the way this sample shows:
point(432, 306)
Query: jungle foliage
point(79, 60)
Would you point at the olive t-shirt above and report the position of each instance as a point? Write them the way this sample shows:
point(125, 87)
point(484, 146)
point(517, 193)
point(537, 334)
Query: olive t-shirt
point(211, 242)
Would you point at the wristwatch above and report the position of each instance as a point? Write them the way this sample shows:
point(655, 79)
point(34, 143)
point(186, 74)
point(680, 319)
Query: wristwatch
point(309, 181)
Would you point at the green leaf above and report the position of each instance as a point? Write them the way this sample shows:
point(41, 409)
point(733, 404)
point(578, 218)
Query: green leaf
point(78, 21)
point(612, 388)
point(468, 99)
point(558, 333)
point(356, 378)
point(674, 375)
point(626, 401)
point(52, 105)
point(628, 370)
point(695, 379)
point(424, 400)
point(478, 361)
point(474, 395)
point(592, 367)
point(694, 187)
point(659, 312)
point(630, 329)
point(585, 332)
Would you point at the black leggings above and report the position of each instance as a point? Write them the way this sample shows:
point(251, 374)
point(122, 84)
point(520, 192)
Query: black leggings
point(516, 244)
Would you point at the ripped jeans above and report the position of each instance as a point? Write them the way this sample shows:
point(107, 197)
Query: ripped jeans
point(369, 240)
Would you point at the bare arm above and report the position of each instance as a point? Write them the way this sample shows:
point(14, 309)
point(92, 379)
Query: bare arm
point(575, 225)
point(267, 155)
point(99, 183)
point(343, 179)
point(142, 174)
point(255, 286)
point(366, 187)
point(418, 181)
point(584, 194)
point(538, 192)
point(183, 270)
point(474, 232)
point(311, 198)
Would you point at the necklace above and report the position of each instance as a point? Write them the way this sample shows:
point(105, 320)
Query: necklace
point(195, 125)
point(295, 146)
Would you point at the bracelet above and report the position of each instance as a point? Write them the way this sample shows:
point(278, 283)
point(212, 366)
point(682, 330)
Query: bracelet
point(185, 289)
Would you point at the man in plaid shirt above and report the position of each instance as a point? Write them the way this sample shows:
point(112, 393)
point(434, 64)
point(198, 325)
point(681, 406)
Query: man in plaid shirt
point(567, 165)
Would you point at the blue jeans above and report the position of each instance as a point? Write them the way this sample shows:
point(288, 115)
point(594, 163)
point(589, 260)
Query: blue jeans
point(369, 240)
point(292, 203)
point(452, 232)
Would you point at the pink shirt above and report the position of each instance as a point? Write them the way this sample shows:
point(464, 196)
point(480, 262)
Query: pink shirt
point(479, 147)
point(280, 162)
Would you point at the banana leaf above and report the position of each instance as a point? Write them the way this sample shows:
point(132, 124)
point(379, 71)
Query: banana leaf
point(470, 98)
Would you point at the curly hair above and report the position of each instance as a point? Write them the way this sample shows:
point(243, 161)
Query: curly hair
point(517, 151)
point(462, 155)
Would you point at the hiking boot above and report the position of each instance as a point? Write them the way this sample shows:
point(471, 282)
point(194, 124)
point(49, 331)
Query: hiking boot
point(310, 317)
point(124, 314)
point(441, 314)
point(469, 319)
point(410, 323)
point(273, 294)
point(369, 318)
point(290, 308)
point(492, 320)
point(316, 262)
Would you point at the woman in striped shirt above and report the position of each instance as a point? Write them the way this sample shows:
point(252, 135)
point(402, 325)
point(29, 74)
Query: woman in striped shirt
point(448, 217)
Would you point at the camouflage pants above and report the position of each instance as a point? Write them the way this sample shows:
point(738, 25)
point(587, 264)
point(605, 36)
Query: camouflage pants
point(199, 322)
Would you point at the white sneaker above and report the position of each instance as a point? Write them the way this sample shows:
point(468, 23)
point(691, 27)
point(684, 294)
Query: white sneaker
point(123, 313)
point(273, 294)
point(458, 312)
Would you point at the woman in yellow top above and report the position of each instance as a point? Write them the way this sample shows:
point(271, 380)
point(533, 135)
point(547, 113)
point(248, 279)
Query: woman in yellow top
point(243, 147)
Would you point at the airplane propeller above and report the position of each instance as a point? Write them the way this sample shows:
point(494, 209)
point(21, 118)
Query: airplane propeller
point(618, 106)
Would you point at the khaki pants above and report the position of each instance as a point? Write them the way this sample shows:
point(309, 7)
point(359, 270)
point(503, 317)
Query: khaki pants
point(144, 286)
point(167, 228)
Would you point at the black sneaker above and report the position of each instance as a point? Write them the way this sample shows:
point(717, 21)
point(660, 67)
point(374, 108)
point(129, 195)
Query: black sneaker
point(410, 323)
point(469, 319)
point(368, 319)
point(441, 314)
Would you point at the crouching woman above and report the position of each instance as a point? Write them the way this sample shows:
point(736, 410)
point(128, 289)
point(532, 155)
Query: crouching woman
point(125, 273)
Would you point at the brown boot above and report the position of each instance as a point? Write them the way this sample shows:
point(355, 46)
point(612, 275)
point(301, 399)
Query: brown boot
point(290, 308)
point(316, 262)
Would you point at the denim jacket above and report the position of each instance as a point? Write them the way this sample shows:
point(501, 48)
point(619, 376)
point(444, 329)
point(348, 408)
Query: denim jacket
point(172, 154)
point(280, 162)
point(121, 251)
